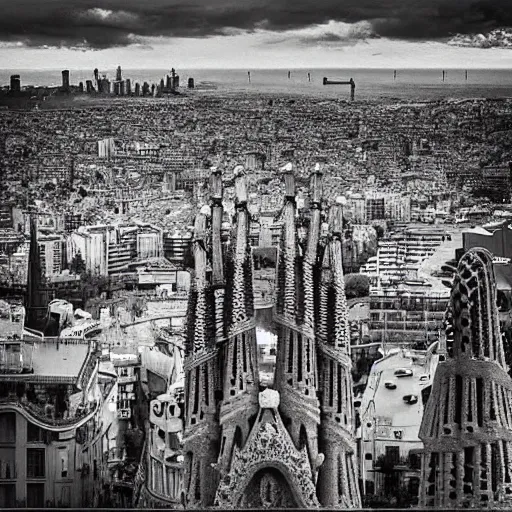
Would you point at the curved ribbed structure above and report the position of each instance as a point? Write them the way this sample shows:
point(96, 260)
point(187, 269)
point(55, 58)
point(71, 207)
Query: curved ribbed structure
point(467, 425)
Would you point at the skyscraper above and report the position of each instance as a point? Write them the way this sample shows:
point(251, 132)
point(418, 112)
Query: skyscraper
point(467, 425)
point(65, 80)
point(119, 74)
point(15, 83)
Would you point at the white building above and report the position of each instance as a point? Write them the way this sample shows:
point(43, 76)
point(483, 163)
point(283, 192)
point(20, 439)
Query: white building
point(391, 411)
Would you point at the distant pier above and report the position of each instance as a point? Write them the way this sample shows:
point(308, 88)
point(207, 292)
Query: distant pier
point(343, 82)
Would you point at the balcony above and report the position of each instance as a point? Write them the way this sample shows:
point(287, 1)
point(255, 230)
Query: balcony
point(47, 412)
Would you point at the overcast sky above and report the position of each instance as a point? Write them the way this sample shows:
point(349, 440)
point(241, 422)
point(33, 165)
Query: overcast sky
point(79, 34)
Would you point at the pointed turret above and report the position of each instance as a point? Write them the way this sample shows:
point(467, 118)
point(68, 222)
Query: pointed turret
point(201, 378)
point(217, 255)
point(33, 303)
point(240, 367)
point(296, 368)
point(466, 428)
point(338, 479)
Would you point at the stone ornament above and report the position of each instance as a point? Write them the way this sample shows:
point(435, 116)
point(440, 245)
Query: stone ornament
point(269, 399)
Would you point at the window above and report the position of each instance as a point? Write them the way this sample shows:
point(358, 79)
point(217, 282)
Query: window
point(35, 495)
point(7, 496)
point(393, 454)
point(414, 485)
point(8, 427)
point(35, 462)
point(63, 461)
point(35, 434)
point(414, 461)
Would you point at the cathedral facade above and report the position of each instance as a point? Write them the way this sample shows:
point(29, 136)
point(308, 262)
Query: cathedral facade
point(293, 445)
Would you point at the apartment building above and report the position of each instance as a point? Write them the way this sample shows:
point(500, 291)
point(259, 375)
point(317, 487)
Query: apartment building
point(391, 410)
point(51, 428)
point(109, 249)
point(51, 253)
point(406, 315)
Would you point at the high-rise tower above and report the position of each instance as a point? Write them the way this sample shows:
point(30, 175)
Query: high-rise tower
point(467, 425)
point(65, 80)
point(33, 302)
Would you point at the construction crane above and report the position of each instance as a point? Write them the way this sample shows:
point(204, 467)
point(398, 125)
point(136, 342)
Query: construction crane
point(343, 82)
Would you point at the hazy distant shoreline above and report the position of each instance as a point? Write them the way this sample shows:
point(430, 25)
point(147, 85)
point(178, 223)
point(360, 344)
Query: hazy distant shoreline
point(371, 84)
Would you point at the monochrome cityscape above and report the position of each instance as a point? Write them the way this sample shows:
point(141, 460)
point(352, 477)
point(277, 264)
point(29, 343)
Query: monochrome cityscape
point(255, 288)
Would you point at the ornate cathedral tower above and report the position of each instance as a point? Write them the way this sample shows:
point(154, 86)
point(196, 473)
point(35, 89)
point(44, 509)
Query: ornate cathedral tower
point(202, 379)
point(247, 449)
point(221, 369)
point(239, 359)
point(467, 425)
point(338, 482)
point(296, 367)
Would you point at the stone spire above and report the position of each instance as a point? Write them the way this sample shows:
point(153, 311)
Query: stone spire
point(288, 294)
point(467, 425)
point(296, 367)
point(338, 479)
point(240, 367)
point(217, 255)
point(202, 377)
point(311, 256)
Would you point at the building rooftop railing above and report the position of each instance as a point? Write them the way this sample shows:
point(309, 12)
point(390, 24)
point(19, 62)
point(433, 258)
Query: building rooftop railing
point(45, 412)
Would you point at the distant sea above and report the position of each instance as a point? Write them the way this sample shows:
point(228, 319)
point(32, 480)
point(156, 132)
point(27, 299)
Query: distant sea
point(409, 84)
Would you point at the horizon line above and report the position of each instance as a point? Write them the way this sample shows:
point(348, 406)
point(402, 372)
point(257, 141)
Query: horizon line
point(302, 68)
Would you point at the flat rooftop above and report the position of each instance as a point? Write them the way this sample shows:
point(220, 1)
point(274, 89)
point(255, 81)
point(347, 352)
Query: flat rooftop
point(445, 252)
point(389, 403)
point(52, 359)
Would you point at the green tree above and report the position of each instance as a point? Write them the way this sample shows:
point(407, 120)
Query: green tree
point(356, 285)
point(77, 265)
point(379, 230)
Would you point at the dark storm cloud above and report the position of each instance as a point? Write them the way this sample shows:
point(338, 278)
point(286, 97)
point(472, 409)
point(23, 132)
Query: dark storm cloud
point(107, 23)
